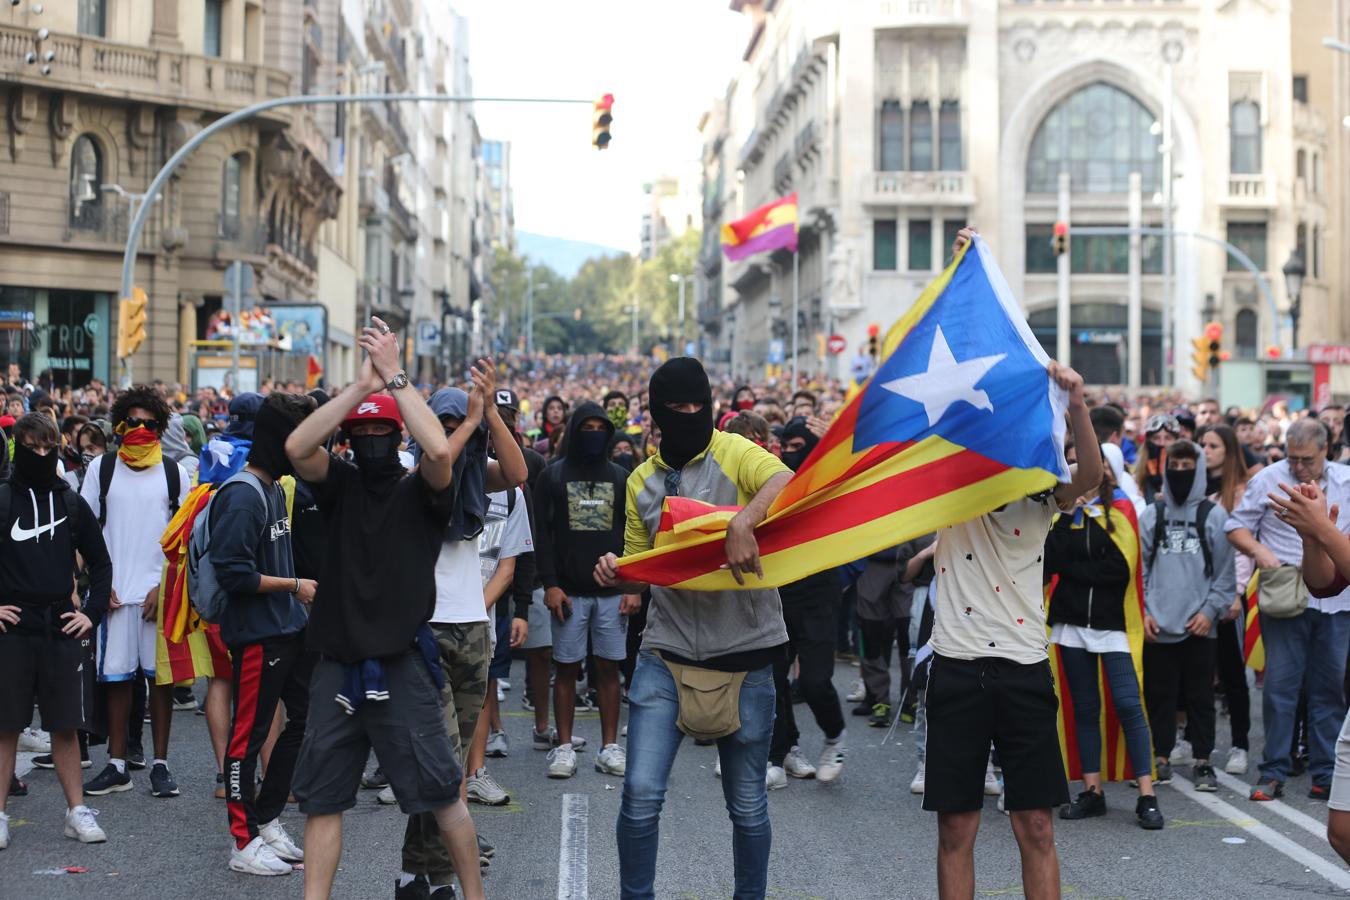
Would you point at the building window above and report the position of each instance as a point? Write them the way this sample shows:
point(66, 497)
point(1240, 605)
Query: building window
point(213, 27)
point(892, 128)
point(1316, 173)
point(949, 229)
point(1040, 251)
point(1250, 238)
point(86, 179)
point(1301, 166)
point(1099, 135)
point(920, 245)
point(1301, 241)
point(949, 136)
point(231, 191)
point(921, 137)
point(1246, 334)
point(1315, 249)
point(93, 18)
point(1301, 88)
point(1245, 138)
point(1090, 254)
point(884, 245)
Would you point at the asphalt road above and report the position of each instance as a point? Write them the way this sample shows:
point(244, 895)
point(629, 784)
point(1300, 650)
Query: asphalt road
point(863, 837)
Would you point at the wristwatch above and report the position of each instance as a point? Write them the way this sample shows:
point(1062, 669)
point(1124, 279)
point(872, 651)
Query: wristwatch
point(398, 381)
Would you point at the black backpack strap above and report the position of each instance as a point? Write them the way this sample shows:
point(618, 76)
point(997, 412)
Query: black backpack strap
point(174, 477)
point(107, 464)
point(1159, 527)
point(6, 493)
point(510, 501)
point(1201, 515)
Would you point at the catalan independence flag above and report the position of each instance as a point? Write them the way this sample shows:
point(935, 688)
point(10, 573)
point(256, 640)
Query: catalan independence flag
point(770, 227)
point(959, 419)
point(1253, 648)
point(1115, 762)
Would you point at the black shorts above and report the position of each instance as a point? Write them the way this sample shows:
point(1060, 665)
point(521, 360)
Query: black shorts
point(52, 670)
point(501, 655)
point(407, 732)
point(974, 703)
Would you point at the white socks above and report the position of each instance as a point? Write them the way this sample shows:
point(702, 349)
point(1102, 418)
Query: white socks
point(120, 765)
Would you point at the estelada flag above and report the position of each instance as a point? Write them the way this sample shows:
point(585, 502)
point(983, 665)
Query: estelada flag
point(959, 419)
point(313, 372)
point(1253, 648)
point(1114, 764)
point(770, 227)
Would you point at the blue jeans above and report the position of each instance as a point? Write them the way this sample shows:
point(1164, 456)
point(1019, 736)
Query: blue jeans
point(1308, 646)
point(1081, 669)
point(653, 738)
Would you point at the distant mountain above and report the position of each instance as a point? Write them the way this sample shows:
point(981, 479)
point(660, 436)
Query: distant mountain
point(559, 254)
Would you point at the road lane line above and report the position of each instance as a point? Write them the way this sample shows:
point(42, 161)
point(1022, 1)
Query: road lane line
point(573, 877)
point(1265, 834)
point(1278, 807)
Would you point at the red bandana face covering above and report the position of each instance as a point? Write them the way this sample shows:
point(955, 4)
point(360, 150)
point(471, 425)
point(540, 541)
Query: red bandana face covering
point(140, 448)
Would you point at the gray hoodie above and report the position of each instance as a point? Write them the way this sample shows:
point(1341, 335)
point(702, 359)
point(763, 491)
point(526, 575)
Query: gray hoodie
point(1175, 586)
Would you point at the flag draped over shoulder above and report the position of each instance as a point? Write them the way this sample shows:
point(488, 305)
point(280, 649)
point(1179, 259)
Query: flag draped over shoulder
point(770, 227)
point(959, 419)
point(1253, 649)
point(182, 652)
point(1115, 761)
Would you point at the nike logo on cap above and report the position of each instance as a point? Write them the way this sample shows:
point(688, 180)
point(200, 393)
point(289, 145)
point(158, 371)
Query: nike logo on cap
point(18, 533)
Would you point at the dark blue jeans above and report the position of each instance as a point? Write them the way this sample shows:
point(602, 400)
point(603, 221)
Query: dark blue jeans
point(653, 739)
point(1080, 667)
point(1305, 650)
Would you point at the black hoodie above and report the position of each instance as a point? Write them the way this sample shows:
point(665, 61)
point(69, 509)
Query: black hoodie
point(43, 529)
point(579, 507)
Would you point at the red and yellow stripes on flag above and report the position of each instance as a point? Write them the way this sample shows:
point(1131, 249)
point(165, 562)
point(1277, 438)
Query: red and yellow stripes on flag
point(182, 652)
point(1253, 648)
point(1115, 761)
point(770, 227)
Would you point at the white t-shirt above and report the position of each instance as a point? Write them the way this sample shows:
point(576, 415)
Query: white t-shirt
point(990, 600)
point(464, 567)
point(138, 513)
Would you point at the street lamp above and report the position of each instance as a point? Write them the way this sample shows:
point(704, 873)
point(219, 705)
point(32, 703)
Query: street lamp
point(1294, 270)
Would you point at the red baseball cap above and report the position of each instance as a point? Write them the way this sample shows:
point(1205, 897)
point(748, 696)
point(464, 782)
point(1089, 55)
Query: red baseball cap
point(377, 409)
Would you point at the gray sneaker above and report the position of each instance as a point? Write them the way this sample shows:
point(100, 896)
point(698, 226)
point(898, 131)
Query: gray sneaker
point(562, 761)
point(497, 745)
point(484, 789)
point(1164, 773)
point(1204, 778)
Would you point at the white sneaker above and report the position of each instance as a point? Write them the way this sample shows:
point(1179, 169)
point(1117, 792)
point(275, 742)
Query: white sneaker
point(795, 764)
point(258, 859)
point(386, 797)
point(775, 778)
point(991, 786)
point(497, 745)
point(274, 835)
point(4, 831)
point(858, 692)
point(717, 767)
point(831, 761)
point(916, 786)
point(624, 733)
point(504, 684)
point(483, 788)
point(34, 740)
point(1002, 807)
point(501, 694)
point(1237, 762)
point(80, 825)
point(562, 761)
point(613, 760)
point(1182, 754)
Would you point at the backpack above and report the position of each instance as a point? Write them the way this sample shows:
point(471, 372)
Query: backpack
point(1160, 525)
point(108, 464)
point(203, 590)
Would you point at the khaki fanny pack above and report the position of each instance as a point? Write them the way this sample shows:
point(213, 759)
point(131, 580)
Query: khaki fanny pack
point(710, 701)
point(1283, 594)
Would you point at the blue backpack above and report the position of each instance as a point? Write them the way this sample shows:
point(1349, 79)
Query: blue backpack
point(204, 591)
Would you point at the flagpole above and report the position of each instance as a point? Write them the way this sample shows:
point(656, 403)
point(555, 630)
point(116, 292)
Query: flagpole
point(796, 292)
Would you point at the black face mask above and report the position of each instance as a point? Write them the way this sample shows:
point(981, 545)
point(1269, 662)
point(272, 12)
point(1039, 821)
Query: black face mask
point(268, 452)
point(592, 444)
point(34, 469)
point(377, 456)
point(627, 460)
point(683, 435)
point(793, 459)
point(1179, 482)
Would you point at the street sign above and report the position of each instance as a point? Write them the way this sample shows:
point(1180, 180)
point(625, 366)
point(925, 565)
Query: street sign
point(836, 344)
point(776, 351)
point(428, 337)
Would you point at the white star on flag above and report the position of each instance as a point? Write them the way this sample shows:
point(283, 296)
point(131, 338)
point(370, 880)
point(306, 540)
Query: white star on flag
point(946, 381)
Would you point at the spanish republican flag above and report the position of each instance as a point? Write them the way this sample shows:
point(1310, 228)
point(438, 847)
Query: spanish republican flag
point(959, 419)
point(1115, 762)
point(771, 226)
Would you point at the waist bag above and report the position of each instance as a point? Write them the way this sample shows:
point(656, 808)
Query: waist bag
point(710, 701)
point(1283, 594)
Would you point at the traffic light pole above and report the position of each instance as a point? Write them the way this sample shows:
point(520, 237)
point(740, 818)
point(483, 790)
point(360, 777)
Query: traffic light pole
point(157, 183)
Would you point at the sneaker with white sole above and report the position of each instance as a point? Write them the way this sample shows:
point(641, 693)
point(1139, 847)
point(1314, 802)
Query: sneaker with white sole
point(775, 778)
point(547, 740)
point(991, 786)
point(34, 740)
point(45, 761)
point(562, 761)
point(504, 684)
point(795, 764)
point(274, 835)
point(81, 826)
point(916, 785)
point(257, 858)
point(612, 760)
point(717, 767)
point(501, 694)
point(108, 781)
point(4, 831)
point(498, 747)
point(858, 692)
point(1182, 754)
point(386, 797)
point(1237, 762)
point(831, 762)
point(483, 788)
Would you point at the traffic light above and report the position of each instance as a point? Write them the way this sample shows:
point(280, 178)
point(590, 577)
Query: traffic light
point(1061, 239)
point(874, 340)
point(1214, 336)
point(602, 116)
point(1200, 358)
point(131, 319)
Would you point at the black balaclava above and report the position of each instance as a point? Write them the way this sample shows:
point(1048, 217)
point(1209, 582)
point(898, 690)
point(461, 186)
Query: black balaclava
point(1180, 482)
point(683, 435)
point(270, 430)
point(376, 456)
point(795, 428)
point(34, 469)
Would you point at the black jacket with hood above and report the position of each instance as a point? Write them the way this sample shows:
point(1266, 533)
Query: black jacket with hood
point(43, 529)
point(1093, 574)
point(579, 507)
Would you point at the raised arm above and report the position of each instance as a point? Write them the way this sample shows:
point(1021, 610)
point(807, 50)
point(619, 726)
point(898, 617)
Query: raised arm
point(508, 470)
point(305, 444)
point(1089, 473)
point(437, 464)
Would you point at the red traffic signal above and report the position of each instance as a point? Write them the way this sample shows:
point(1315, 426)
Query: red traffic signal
point(874, 329)
point(1214, 331)
point(602, 114)
point(1060, 242)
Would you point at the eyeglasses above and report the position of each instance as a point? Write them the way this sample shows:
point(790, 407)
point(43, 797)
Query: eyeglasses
point(673, 483)
point(150, 424)
point(1301, 461)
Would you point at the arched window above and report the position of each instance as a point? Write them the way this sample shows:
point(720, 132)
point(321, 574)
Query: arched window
point(86, 180)
point(1098, 135)
point(1244, 126)
point(231, 195)
point(921, 137)
point(1246, 337)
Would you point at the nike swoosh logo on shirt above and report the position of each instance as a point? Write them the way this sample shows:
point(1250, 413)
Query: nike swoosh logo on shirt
point(26, 534)
point(273, 662)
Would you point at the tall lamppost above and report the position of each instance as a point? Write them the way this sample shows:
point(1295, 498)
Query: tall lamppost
point(1294, 270)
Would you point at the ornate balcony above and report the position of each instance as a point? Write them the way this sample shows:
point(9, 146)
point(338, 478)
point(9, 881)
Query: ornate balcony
point(919, 189)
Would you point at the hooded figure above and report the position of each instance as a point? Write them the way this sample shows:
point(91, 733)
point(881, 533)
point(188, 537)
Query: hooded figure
point(268, 452)
point(196, 434)
point(175, 444)
point(684, 435)
point(225, 455)
point(796, 428)
point(470, 472)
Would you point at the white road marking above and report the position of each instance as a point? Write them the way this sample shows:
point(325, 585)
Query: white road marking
point(1332, 872)
point(1278, 807)
point(573, 875)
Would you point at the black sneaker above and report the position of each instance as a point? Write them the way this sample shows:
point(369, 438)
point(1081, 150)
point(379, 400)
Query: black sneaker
point(17, 788)
point(881, 716)
point(45, 761)
point(161, 782)
point(375, 781)
point(1087, 805)
point(444, 892)
point(184, 699)
point(485, 850)
point(1164, 772)
point(1150, 817)
point(417, 889)
point(109, 781)
point(865, 707)
point(135, 757)
point(1205, 779)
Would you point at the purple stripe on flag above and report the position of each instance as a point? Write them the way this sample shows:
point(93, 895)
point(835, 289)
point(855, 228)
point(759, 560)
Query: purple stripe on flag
point(782, 236)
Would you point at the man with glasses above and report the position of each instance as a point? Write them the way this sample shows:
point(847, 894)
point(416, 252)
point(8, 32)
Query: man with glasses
point(1307, 649)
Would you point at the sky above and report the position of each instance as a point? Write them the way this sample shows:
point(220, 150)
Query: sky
point(664, 61)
